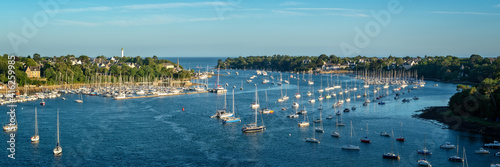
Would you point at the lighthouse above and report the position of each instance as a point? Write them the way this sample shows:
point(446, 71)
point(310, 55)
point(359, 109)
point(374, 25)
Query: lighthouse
point(122, 52)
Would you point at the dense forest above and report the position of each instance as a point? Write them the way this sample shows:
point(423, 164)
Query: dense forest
point(478, 99)
point(60, 69)
point(306, 63)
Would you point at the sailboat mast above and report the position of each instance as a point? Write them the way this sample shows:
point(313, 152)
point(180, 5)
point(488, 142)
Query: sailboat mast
point(256, 100)
point(266, 97)
point(225, 100)
point(233, 100)
point(350, 139)
point(457, 146)
point(256, 116)
point(58, 127)
point(36, 123)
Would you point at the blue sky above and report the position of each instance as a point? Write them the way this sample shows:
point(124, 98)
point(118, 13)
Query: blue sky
point(229, 28)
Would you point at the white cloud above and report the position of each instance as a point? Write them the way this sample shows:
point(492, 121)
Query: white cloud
point(467, 13)
point(148, 20)
point(75, 23)
point(290, 3)
point(289, 13)
point(355, 15)
point(147, 6)
point(498, 5)
point(323, 9)
point(174, 5)
point(90, 9)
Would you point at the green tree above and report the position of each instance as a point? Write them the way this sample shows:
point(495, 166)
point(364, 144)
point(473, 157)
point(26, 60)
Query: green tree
point(31, 62)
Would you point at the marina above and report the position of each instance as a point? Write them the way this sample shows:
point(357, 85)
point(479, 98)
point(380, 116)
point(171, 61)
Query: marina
point(102, 120)
point(250, 83)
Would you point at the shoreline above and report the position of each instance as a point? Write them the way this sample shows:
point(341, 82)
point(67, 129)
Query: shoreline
point(443, 115)
point(454, 82)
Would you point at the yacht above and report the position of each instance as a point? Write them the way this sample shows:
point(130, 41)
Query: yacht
point(293, 116)
point(447, 145)
point(495, 144)
point(350, 146)
point(482, 151)
point(10, 127)
point(335, 134)
point(423, 162)
point(385, 134)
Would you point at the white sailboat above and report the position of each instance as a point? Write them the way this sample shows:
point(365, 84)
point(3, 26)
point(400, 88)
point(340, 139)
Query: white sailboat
point(311, 94)
point(283, 98)
point(233, 118)
point(35, 138)
point(286, 93)
point(310, 81)
point(80, 100)
point(12, 126)
point(222, 113)
point(255, 104)
point(350, 146)
point(423, 162)
point(297, 95)
point(320, 90)
point(58, 149)
point(266, 110)
point(335, 133)
point(312, 139)
point(253, 127)
point(304, 122)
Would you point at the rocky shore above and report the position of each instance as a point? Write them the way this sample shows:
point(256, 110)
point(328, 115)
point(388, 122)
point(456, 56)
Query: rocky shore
point(460, 123)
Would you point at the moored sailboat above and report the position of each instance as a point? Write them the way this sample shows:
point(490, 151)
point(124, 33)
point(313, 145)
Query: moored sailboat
point(391, 155)
point(253, 127)
point(312, 139)
point(58, 149)
point(350, 146)
point(366, 139)
point(401, 137)
point(35, 138)
point(233, 118)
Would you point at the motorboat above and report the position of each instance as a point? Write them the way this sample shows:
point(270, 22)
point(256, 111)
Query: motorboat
point(482, 151)
point(385, 134)
point(424, 152)
point(447, 145)
point(495, 144)
point(423, 162)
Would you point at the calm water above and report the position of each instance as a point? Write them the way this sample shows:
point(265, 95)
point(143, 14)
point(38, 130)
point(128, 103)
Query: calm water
point(156, 132)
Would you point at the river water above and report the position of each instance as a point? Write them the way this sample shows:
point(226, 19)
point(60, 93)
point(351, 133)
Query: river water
point(156, 132)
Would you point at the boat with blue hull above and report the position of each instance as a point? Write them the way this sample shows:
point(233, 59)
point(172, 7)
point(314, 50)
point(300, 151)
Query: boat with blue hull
point(231, 119)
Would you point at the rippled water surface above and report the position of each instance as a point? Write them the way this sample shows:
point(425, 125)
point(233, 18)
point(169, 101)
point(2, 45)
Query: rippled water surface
point(156, 132)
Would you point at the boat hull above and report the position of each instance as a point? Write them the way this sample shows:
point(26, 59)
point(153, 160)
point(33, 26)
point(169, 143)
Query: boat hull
point(253, 129)
point(390, 156)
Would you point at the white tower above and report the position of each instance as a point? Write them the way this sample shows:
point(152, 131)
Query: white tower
point(122, 52)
